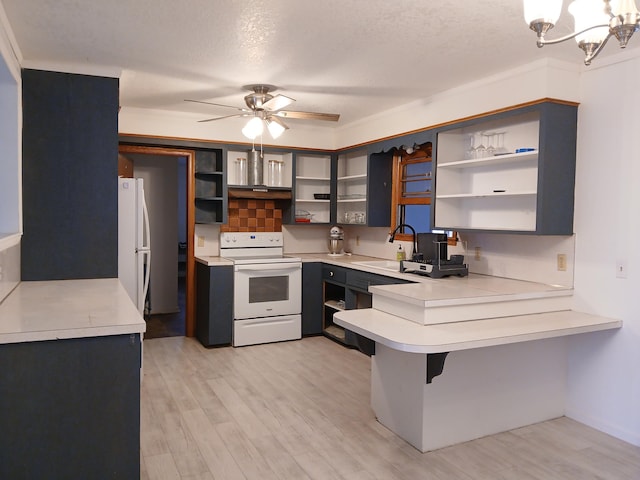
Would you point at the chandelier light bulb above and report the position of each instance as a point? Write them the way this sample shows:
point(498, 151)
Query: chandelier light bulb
point(623, 7)
point(545, 10)
point(586, 14)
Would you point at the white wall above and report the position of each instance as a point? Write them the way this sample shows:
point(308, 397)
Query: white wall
point(604, 369)
point(10, 158)
point(140, 121)
point(210, 238)
point(542, 79)
point(9, 270)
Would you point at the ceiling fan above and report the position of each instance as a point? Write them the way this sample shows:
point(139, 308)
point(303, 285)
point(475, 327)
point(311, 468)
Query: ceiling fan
point(266, 108)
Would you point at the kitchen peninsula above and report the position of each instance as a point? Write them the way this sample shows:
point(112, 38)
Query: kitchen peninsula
point(70, 390)
point(494, 364)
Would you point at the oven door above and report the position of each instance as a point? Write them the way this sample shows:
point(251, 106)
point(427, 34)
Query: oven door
point(267, 290)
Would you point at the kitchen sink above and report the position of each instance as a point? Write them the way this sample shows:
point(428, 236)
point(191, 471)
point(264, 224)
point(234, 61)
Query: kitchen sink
point(391, 265)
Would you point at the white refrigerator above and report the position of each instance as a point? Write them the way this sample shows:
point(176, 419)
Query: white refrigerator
point(134, 250)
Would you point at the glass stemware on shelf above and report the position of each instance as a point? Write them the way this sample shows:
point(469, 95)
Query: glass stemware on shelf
point(470, 152)
point(491, 150)
point(485, 144)
point(500, 148)
point(479, 151)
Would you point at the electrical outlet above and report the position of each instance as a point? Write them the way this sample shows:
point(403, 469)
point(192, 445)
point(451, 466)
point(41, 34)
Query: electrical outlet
point(562, 262)
point(477, 253)
point(621, 268)
point(200, 241)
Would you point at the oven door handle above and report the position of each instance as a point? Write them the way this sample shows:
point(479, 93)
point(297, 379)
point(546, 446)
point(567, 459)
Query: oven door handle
point(275, 267)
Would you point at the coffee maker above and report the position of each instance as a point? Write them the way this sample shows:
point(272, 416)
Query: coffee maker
point(433, 259)
point(336, 241)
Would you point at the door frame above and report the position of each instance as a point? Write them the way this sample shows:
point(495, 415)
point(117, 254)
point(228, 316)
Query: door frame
point(190, 298)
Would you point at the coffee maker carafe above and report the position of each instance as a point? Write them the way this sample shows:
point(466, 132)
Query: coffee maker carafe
point(336, 241)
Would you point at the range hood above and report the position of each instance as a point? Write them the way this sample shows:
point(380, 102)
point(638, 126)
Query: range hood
point(259, 191)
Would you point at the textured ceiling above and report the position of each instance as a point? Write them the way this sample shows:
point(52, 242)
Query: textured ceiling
point(352, 57)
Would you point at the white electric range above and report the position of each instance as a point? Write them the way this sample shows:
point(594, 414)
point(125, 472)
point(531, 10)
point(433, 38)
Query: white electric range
point(267, 298)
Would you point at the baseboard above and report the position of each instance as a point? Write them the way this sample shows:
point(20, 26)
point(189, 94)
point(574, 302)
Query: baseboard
point(614, 430)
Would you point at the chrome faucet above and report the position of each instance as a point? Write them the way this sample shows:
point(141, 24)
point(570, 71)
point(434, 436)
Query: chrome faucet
point(392, 237)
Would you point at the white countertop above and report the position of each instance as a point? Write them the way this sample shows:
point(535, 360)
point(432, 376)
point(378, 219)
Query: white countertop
point(472, 289)
point(406, 336)
point(428, 292)
point(213, 261)
point(63, 309)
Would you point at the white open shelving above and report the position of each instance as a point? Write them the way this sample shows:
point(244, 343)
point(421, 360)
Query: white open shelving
point(313, 176)
point(494, 192)
point(352, 187)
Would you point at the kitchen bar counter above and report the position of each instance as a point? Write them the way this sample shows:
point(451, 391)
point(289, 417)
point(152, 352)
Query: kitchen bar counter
point(407, 336)
point(65, 309)
point(440, 384)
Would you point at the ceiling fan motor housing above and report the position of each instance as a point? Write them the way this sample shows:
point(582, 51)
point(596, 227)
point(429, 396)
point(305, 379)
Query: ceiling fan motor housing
point(255, 101)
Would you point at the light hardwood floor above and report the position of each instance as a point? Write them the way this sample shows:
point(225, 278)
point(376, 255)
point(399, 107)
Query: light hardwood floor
point(300, 410)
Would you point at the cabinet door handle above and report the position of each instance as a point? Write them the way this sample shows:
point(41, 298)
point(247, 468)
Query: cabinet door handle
point(331, 274)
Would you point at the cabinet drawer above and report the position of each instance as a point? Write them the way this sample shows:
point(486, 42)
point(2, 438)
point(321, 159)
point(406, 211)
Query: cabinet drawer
point(362, 280)
point(335, 274)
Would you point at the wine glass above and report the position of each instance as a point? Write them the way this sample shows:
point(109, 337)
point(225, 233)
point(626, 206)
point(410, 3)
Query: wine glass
point(491, 150)
point(470, 152)
point(500, 148)
point(480, 151)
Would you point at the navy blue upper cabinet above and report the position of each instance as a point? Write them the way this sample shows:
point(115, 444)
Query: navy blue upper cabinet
point(210, 200)
point(69, 176)
point(511, 171)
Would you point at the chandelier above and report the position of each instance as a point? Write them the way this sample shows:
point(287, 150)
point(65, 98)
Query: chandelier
point(595, 22)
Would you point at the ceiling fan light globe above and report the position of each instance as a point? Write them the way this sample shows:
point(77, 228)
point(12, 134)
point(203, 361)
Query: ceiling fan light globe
point(253, 128)
point(275, 127)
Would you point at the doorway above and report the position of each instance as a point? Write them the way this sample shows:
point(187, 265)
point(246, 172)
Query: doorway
point(173, 294)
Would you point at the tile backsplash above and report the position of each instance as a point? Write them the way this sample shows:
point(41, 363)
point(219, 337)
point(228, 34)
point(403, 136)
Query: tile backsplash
point(253, 215)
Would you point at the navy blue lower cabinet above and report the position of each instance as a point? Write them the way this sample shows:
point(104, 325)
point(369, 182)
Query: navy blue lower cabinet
point(214, 304)
point(311, 298)
point(71, 408)
point(350, 286)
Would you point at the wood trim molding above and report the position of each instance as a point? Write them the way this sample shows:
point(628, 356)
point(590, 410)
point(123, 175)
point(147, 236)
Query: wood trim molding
point(134, 136)
point(190, 286)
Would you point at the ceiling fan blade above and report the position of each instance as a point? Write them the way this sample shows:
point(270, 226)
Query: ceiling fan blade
point(217, 105)
point(226, 116)
point(277, 103)
point(330, 117)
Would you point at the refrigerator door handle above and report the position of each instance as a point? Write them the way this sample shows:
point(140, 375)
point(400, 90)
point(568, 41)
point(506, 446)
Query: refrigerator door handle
point(147, 231)
point(146, 250)
point(147, 276)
